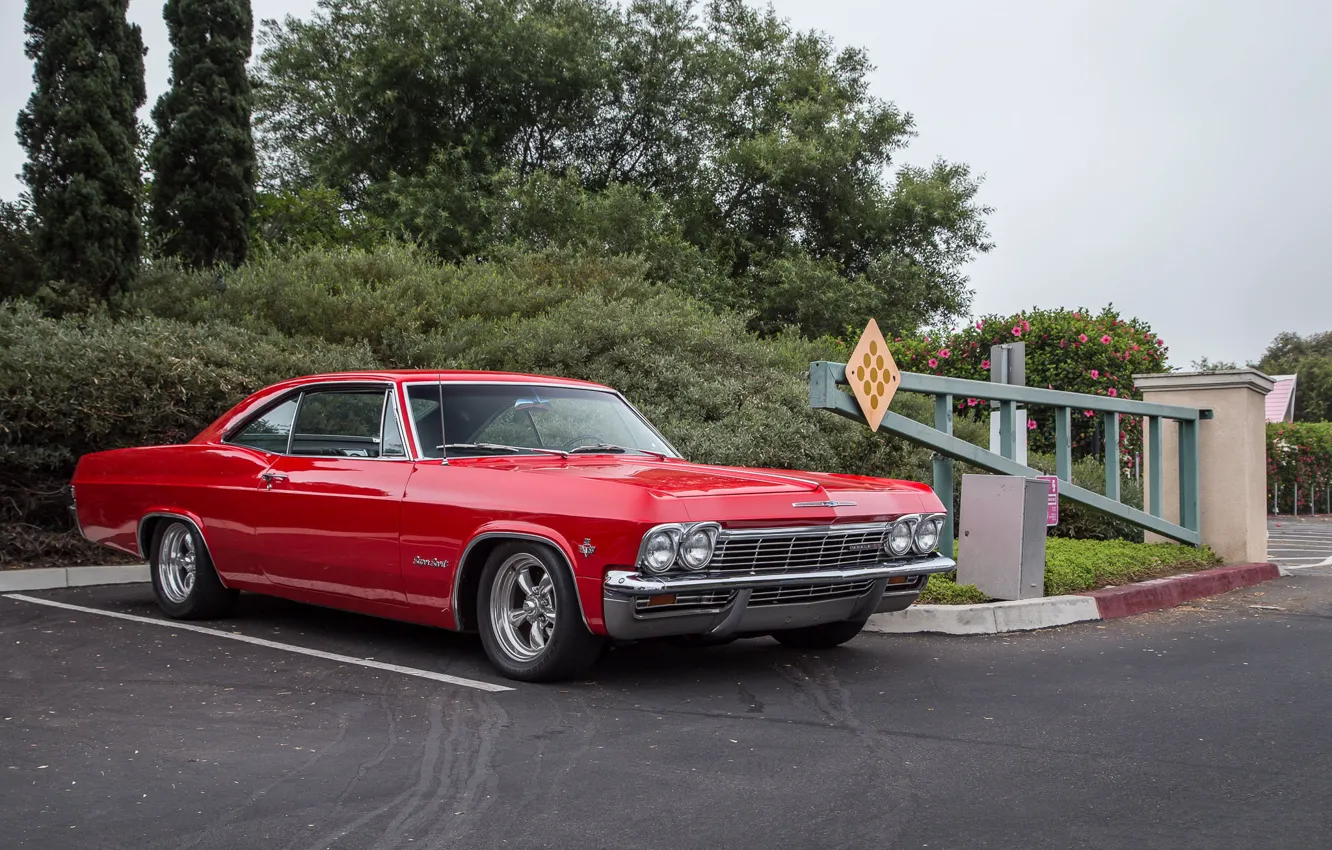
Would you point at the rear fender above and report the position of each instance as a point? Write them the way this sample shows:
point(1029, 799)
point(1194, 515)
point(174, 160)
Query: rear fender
point(148, 521)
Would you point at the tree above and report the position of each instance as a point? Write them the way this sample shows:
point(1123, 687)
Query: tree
point(1206, 364)
point(20, 270)
point(202, 158)
point(1310, 358)
point(80, 132)
point(759, 145)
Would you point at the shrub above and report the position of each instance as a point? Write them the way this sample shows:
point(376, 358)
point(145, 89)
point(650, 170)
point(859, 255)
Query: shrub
point(81, 384)
point(1299, 466)
point(184, 350)
point(1075, 566)
point(721, 394)
point(1072, 566)
point(1070, 350)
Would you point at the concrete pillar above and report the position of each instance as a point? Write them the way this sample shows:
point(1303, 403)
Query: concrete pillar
point(1232, 462)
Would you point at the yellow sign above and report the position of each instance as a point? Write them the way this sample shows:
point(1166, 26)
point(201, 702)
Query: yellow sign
point(873, 374)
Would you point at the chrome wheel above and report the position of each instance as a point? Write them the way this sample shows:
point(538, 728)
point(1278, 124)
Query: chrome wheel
point(522, 607)
point(177, 563)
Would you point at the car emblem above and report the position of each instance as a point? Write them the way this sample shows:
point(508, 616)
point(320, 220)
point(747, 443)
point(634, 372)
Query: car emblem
point(587, 548)
point(430, 562)
point(829, 504)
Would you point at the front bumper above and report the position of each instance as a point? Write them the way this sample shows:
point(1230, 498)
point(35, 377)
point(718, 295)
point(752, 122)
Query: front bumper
point(723, 604)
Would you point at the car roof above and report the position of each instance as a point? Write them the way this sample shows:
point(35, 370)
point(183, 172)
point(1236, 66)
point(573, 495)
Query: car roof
point(450, 375)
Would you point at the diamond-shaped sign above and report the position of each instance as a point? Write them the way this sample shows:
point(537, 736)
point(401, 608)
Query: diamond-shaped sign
point(873, 374)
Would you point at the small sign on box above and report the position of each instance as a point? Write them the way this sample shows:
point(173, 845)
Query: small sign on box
point(1052, 501)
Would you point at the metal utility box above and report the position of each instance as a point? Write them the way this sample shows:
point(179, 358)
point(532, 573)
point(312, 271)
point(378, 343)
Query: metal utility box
point(1001, 545)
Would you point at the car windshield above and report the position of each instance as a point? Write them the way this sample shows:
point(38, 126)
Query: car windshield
point(483, 420)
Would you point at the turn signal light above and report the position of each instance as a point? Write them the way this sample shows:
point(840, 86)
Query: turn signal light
point(661, 599)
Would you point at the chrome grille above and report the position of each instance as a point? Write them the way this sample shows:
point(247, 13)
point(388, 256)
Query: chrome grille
point(808, 593)
point(781, 550)
point(686, 602)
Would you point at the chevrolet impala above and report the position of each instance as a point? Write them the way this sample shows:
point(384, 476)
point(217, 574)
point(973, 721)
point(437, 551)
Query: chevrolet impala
point(546, 514)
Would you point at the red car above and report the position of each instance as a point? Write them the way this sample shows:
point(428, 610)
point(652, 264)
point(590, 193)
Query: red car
point(545, 513)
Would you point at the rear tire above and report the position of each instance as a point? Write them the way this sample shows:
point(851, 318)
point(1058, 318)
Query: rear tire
point(184, 581)
point(530, 620)
point(822, 636)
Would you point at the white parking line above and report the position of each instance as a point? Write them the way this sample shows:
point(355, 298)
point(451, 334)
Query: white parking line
point(299, 650)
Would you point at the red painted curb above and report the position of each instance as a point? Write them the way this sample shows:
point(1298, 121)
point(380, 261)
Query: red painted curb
point(1171, 591)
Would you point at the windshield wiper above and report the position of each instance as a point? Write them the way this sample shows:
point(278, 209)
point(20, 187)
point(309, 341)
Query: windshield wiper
point(500, 447)
point(611, 448)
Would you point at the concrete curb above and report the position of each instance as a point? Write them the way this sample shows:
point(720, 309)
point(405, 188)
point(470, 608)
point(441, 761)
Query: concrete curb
point(57, 577)
point(987, 618)
point(1028, 614)
point(1168, 592)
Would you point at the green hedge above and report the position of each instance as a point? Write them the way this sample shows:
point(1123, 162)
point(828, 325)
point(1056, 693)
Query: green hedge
point(1299, 460)
point(1074, 566)
point(182, 349)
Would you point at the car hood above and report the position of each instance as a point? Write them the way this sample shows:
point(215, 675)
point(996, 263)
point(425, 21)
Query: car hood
point(714, 491)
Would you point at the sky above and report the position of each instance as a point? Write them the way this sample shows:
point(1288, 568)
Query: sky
point(1168, 157)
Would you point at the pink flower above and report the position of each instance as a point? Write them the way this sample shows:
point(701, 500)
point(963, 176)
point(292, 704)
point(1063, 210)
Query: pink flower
point(945, 353)
point(1147, 336)
point(1160, 342)
point(1095, 373)
point(980, 325)
point(1063, 343)
point(1026, 325)
point(985, 364)
point(1017, 330)
point(1105, 340)
point(1082, 337)
point(927, 339)
point(1088, 413)
point(1031, 424)
point(933, 363)
point(971, 402)
point(1114, 393)
point(1077, 315)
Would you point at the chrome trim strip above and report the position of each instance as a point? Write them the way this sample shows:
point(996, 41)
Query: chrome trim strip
point(628, 582)
point(845, 528)
point(516, 535)
point(74, 511)
point(138, 536)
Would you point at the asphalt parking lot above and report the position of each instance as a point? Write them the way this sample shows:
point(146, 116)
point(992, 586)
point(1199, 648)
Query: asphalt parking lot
point(1299, 541)
point(1204, 726)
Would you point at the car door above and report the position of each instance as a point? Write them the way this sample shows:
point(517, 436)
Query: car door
point(331, 503)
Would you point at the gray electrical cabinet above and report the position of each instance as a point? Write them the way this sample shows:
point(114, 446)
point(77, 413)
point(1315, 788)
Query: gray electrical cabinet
point(1001, 544)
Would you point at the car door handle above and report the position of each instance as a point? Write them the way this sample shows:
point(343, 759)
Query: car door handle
point(270, 476)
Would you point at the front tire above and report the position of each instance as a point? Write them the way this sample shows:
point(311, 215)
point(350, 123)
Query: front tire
point(822, 636)
point(529, 616)
point(184, 581)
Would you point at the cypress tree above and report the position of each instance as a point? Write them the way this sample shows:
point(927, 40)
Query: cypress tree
point(80, 132)
point(203, 155)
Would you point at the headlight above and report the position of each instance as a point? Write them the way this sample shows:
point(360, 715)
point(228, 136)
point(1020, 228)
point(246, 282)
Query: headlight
point(899, 538)
point(659, 549)
point(927, 535)
point(696, 548)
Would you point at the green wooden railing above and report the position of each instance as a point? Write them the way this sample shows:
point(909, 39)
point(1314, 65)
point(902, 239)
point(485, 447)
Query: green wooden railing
point(824, 394)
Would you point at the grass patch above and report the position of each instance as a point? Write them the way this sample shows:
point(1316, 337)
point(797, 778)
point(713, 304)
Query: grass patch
point(1073, 566)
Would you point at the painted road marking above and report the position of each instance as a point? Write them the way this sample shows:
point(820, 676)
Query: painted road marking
point(286, 647)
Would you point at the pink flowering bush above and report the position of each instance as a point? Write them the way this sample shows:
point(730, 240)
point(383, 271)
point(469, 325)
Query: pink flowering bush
point(1299, 458)
point(1071, 350)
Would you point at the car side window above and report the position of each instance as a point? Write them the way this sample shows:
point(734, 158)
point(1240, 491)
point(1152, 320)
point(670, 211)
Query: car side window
point(270, 431)
point(339, 423)
point(391, 445)
point(427, 418)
